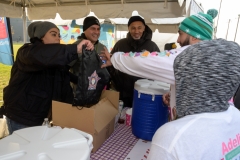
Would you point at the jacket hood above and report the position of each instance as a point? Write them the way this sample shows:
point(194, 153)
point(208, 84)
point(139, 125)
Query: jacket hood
point(83, 36)
point(207, 75)
point(147, 36)
point(35, 39)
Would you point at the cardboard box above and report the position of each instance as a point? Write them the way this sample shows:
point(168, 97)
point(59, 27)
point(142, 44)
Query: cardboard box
point(98, 120)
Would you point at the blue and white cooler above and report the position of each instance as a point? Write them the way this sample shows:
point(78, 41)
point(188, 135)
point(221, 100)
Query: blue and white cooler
point(149, 111)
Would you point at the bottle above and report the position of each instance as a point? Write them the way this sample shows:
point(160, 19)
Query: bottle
point(46, 122)
point(118, 118)
point(120, 106)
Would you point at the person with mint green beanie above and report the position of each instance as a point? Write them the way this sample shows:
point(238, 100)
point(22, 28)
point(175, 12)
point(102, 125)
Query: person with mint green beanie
point(199, 25)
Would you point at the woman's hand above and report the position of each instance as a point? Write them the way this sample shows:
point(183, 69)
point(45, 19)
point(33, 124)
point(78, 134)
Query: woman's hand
point(87, 43)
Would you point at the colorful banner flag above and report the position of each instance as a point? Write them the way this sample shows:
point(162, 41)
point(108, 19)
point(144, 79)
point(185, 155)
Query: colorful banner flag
point(69, 34)
point(107, 36)
point(6, 53)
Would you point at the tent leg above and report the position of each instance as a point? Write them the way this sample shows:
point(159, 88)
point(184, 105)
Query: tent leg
point(24, 25)
point(236, 29)
point(166, 4)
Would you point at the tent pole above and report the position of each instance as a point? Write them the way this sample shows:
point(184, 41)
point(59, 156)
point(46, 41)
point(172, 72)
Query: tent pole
point(227, 29)
point(24, 25)
point(236, 28)
point(215, 32)
point(115, 34)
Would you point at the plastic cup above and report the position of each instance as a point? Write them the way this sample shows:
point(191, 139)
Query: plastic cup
point(129, 117)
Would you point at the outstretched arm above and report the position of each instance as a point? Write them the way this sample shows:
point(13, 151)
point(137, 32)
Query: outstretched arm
point(155, 65)
point(37, 56)
point(151, 67)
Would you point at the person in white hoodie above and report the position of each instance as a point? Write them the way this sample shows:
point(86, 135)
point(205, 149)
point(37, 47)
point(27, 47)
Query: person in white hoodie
point(207, 75)
point(159, 66)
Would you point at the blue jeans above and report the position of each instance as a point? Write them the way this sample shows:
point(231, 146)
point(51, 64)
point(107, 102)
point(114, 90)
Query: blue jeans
point(13, 126)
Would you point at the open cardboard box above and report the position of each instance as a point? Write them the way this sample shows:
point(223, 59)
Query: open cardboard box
point(98, 120)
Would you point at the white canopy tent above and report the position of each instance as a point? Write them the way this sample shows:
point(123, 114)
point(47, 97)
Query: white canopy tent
point(104, 9)
point(57, 20)
point(164, 29)
point(80, 20)
point(74, 9)
point(163, 25)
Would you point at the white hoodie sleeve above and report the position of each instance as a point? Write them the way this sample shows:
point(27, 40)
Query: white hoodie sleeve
point(155, 65)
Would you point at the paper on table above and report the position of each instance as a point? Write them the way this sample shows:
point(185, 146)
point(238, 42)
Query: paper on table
point(140, 151)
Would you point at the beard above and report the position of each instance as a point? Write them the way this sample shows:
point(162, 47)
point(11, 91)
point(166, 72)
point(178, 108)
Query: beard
point(186, 42)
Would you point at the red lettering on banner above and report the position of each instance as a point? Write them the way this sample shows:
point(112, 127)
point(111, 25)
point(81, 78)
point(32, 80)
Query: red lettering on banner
point(238, 139)
point(224, 148)
point(235, 143)
point(230, 145)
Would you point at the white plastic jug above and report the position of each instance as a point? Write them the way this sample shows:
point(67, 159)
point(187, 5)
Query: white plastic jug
point(43, 143)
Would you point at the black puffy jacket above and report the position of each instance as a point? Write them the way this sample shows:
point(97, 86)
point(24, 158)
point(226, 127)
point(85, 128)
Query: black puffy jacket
point(38, 76)
point(122, 82)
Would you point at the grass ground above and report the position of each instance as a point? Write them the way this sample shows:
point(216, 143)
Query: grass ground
point(5, 73)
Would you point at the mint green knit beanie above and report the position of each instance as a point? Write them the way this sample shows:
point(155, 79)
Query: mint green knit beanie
point(199, 25)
